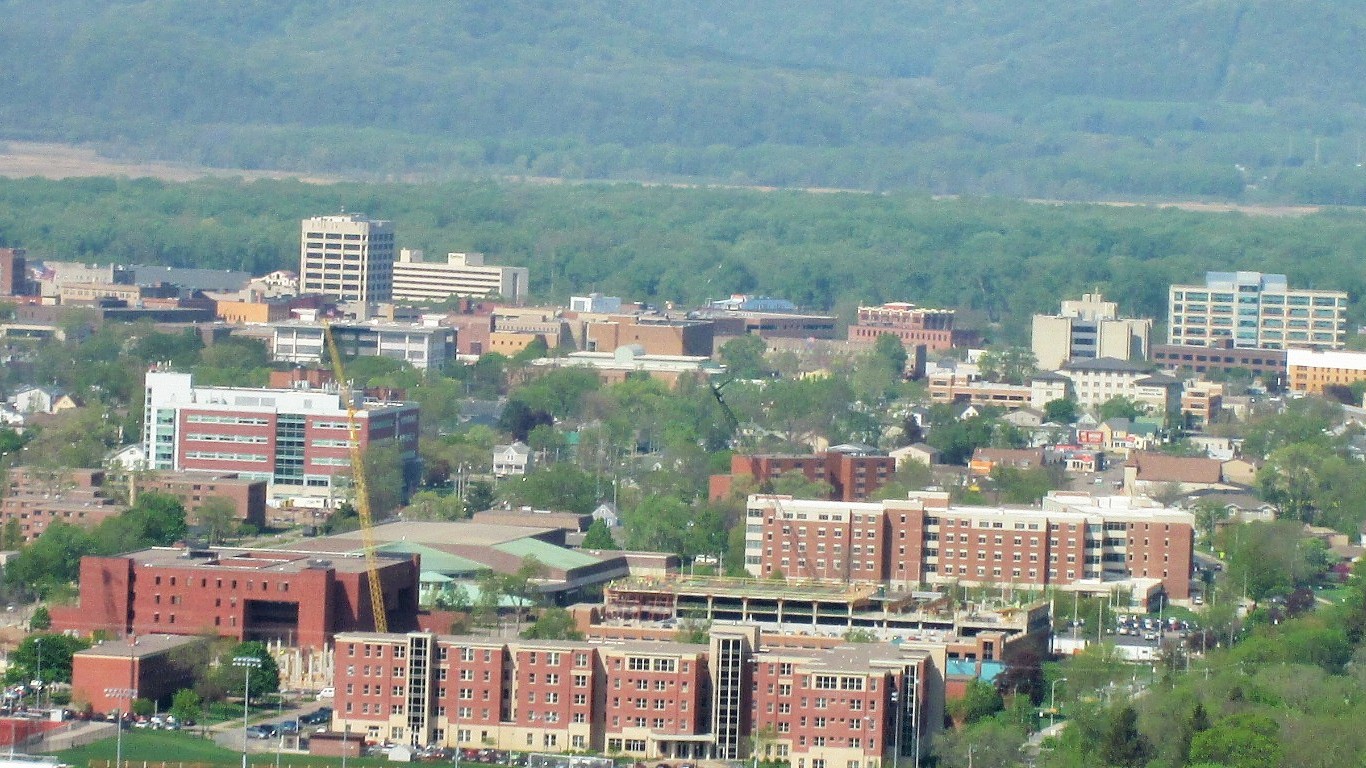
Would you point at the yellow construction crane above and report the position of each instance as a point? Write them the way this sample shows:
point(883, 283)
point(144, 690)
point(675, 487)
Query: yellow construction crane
point(367, 523)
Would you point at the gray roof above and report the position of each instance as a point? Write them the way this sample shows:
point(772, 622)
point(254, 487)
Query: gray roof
point(1105, 364)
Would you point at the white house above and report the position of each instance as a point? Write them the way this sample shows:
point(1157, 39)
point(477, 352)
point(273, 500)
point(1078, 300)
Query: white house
point(35, 399)
point(512, 459)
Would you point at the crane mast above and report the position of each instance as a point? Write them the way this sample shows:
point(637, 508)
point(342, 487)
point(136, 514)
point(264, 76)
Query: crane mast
point(367, 532)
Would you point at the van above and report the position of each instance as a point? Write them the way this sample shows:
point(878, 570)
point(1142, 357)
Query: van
point(327, 693)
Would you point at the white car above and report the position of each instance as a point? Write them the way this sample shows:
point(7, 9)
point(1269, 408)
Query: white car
point(327, 693)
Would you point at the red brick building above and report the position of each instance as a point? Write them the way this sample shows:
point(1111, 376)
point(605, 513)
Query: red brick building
point(853, 472)
point(301, 599)
point(248, 497)
point(912, 325)
point(295, 439)
point(35, 498)
point(925, 540)
point(646, 699)
point(156, 666)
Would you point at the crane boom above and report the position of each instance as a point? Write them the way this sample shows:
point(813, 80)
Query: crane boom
point(367, 532)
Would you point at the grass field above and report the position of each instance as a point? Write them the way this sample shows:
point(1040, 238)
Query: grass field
point(177, 749)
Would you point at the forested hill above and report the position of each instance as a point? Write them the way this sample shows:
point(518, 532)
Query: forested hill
point(1252, 99)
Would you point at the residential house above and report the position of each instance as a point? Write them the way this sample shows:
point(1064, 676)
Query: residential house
point(985, 460)
point(920, 453)
point(511, 460)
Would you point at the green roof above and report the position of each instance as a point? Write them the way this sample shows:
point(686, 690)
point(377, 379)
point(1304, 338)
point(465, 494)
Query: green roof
point(551, 555)
point(434, 559)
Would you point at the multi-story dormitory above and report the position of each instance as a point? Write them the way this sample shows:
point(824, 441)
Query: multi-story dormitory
point(1069, 539)
point(847, 706)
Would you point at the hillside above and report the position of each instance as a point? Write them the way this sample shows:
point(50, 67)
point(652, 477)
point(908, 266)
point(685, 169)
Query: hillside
point(1162, 98)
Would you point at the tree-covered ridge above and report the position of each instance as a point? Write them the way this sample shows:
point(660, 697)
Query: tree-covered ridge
point(1088, 98)
point(998, 261)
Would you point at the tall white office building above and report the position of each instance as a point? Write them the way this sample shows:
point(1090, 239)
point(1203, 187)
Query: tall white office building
point(1254, 310)
point(348, 257)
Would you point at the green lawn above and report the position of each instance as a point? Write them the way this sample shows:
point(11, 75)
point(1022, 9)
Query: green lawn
point(176, 748)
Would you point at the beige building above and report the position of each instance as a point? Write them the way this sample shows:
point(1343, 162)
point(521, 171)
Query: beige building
point(348, 257)
point(461, 274)
point(1088, 329)
point(1096, 381)
point(1311, 371)
point(1255, 310)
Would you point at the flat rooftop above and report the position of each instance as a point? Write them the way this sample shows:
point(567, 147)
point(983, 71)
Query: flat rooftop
point(255, 560)
point(461, 532)
point(139, 646)
point(757, 588)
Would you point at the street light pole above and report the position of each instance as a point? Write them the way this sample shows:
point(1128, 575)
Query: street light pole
point(247, 663)
point(119, 694)
point(1053, 701)
point(38, 694)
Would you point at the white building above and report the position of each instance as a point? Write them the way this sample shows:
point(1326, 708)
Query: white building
point(510, 460)
point(347, 257)
point(595, 303)
point(296, 439)
point(1089, 328)
point(1255, 310)
point(429, 345)
point(1096, 381)
point(461, 274)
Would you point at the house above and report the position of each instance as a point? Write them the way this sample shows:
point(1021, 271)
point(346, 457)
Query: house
point(607, 513)
point(1121, 435)
point(1146, 473)
point(1242, 507)
point(986, 460)
point(40, 400)
point(1241, 471)
point(509, 460)
point(920, 453)
point(129, 457)
point(1025, 417)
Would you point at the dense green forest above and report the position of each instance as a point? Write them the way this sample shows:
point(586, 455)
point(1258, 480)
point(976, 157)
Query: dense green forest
point(996, 260)
point(1251, 99)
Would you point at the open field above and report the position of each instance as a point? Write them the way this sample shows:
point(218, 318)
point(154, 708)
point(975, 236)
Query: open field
point(179, 749)
point(23, 159)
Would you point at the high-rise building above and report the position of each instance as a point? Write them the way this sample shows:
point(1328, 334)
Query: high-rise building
point(1089, 328)
point(1255, 310)
point(348, 256)
point(461, 274)
point(296, 439)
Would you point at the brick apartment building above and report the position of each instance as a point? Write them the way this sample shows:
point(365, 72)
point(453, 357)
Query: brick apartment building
point(853, 472)
point(294, 439)
point(912, 325)
point(36, 498)
point(923, 539)
point(645, 699)
point(299, 598)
